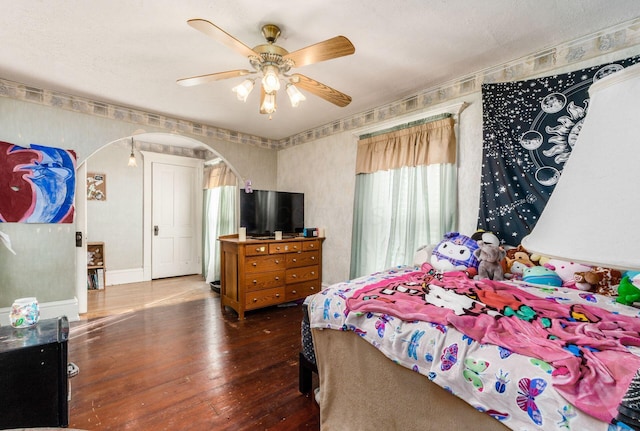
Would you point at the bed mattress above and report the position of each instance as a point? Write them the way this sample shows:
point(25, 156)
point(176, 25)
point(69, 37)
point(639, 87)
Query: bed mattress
point(515, 389)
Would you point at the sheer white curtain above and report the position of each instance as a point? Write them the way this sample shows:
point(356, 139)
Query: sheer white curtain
point(409, 198)
point(220, 202)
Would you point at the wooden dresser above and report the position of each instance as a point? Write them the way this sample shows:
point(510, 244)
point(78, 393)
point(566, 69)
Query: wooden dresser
point(261, 273)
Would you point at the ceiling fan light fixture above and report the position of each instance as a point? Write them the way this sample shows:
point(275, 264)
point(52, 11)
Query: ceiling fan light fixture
point(269, 103)
point(243, 89)
point(272, 63)
point(295, 96)
point(270, 79)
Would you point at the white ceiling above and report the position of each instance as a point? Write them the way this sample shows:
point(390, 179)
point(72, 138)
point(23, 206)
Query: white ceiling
point(131, 52)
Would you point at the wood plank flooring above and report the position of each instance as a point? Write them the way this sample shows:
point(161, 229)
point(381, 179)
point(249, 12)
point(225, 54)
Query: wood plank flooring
point(164, 356)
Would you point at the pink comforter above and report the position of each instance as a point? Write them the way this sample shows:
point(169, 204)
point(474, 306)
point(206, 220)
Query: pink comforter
point(585, 344)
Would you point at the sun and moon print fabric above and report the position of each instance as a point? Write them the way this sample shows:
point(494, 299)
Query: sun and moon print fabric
point(529, 130)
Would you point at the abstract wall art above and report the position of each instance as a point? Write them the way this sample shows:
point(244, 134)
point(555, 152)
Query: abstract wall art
point(37, 184)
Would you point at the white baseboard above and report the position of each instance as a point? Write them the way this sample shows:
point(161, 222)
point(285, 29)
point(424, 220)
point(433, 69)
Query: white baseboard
point(124, 276)
point(48, 310)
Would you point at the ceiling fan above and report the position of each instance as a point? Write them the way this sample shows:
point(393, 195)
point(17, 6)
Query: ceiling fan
point(274, 64)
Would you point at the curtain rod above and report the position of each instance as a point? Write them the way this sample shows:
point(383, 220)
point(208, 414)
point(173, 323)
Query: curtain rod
point(407, 125)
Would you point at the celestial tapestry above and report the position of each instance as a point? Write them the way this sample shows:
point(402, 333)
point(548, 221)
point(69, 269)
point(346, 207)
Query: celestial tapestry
point(529, 129)
point(37, 184)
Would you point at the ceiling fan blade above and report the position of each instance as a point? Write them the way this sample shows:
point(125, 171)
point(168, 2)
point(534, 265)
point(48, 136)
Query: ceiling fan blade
point(338, 46)
point(202, 79)
point(319, 89)
point(212, 30)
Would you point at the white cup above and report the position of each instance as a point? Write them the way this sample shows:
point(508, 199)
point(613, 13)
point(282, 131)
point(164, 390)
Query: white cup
point(242, 234)
point(321, 232)
point(278, 235)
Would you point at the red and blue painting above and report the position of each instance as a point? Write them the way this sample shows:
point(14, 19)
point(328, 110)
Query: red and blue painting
point(37, 184)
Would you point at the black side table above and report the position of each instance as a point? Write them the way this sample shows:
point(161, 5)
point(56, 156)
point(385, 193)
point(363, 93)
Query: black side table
point(34, 382)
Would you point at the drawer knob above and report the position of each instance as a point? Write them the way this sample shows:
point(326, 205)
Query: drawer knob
point(295, 276)
point(295, 260)
point(313, 273)
point(277, 261)
point(277, 248)
point(255, 281)
point(277, 295)
point(312, 288)
point(311, 245)
point(294, 292)
point(255, 299)
point(258, 250)
point(313, 258)
point(277, 278)
point(255, 264)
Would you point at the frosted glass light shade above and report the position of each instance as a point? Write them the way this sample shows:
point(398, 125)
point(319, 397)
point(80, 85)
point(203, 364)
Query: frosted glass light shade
point(243, 89)
point(592, 214)
point(132, 163)
point(269, 103)
point(295, 96)
point(270, 80)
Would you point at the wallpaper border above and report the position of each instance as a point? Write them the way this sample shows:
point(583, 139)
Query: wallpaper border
point(622, 36)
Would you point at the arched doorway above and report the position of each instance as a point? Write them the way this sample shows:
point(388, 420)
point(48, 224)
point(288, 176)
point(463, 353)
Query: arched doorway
point(123, 219)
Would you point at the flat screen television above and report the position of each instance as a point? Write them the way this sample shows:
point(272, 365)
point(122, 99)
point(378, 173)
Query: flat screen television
point(263, 212)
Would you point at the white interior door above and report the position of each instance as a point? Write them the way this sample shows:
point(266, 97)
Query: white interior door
point(175, 243)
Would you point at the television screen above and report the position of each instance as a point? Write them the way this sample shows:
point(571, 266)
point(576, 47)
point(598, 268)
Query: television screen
point(263, 212)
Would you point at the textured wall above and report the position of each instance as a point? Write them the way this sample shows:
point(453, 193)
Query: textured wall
point(45, 264)
point(325, 170)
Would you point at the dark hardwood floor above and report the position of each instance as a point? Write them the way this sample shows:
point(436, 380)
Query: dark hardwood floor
point(189, 366)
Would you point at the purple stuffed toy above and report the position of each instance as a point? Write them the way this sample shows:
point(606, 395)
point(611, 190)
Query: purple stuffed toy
point(455, 253)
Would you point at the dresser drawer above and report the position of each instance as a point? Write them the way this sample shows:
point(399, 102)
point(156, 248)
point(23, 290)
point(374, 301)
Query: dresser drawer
point(266, 280)
point(264, 298)
point(264, 263)
point(284, 247)
point(256, 250)
point(310, 245)
point(302, 290)
point(307, 258)
point(296, 275)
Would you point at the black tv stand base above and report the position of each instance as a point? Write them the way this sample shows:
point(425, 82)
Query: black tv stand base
point(260, 237)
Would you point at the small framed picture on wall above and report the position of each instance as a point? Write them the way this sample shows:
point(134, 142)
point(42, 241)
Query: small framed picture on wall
point(96, 187)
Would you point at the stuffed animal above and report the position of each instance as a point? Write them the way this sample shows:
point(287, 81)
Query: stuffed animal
point(542, 275)
point(423, 254)
point(516, 261)
point(586, 280)
point(455, 253)
point(566, 271)
point(628, 293)
point(539, 259)
point(486, 236)
point(490, 257)
point(600, 280)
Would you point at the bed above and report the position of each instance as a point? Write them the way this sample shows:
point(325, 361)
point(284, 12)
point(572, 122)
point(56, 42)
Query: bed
point(386, 363)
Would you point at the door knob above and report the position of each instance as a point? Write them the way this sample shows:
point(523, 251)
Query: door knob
point(156, 229)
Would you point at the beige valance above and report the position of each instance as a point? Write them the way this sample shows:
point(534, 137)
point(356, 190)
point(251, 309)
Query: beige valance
point(430, 143)
point(218, 175)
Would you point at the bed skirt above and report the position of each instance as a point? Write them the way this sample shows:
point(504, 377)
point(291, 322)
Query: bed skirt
point(361, 390)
